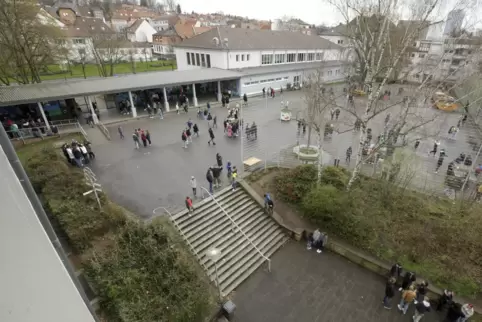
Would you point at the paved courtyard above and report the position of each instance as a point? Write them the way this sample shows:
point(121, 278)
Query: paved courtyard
point(306, 286)
point(145, 179)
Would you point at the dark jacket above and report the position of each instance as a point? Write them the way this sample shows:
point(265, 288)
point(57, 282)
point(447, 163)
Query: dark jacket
point(211, 133)
point(408, 279)
point(195, 128)
point(396, 270)
point(454, 312)
point(421, 308)
point(389, 290)
point(77, 153)
point(216, 171)
point(209, 176)
point(219, 160)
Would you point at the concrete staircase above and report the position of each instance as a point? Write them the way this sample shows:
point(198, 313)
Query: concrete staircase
point(210, 227)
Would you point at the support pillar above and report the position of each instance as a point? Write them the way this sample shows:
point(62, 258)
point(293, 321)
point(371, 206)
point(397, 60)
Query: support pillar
point(133, 108)
point(219, 92)
point(92, 111)
point(42, 112)
point(194, 98)
point(166, 102)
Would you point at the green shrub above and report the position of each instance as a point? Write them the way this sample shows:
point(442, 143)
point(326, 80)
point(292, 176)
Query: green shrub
point(142, 277)
point(294, 184)
point(335, 176)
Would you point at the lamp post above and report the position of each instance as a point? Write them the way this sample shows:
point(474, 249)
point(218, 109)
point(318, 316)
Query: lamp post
point(214, 255)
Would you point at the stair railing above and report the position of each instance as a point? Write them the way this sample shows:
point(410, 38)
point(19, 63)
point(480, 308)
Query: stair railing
point(104, 130)
point(183, 236)
point(239, 228)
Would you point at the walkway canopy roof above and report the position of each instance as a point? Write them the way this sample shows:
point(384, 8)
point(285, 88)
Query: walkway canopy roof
point(50, 91)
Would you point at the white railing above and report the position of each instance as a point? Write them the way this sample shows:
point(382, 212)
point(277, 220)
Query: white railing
point(184, 236)
point(239, 228)
point(81, 130)
point(104, 130)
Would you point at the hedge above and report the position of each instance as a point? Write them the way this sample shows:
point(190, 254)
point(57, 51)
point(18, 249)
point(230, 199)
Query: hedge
point(432, 236)
point(139, 271)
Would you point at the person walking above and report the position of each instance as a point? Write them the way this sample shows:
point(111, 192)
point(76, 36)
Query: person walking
point(184, 139)
point(245, 99)
point(337, 113)
point(189, 123)
point(161, 113)
point(215, 122)
point(144, 138)
point(195, 129)
point(177, 108)
point(193, 186)
point(440, 161)
point(234, 177)
point(121, 133)
point(435, 148)
point(349, 151)
point(417, 143)
point(389, 293)
point(188, 134)
point(219, 160)
point(135, 137)
point(421, 308)
point(210, 179)
point(408, 296)
point(189, 206)
point(211, 136)
point(148, 137)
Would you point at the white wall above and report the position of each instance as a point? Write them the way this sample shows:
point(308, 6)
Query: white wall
point(118, 24)
point(35, 284)
point(218, 58)
point(144, 32)
point(435, 31)
point(236, 59)
point(336, 39)
point(254, 84)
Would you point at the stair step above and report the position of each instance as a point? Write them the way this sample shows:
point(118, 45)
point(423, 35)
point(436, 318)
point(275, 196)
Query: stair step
point(243, 247)
point(234, 239)
point(216, 238)
point(237, 277)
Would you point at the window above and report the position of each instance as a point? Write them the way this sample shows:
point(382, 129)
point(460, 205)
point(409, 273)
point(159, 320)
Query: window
point(188, 56)
point(198, 61)
point(421, 55)
point(330, 73)
point(79, 41)
point(203, 60)
point(266, 59)
point(242, 57)
point(337, 72)
point(193, 60)
point(340, 42)
point(318, 56)
point(311, 57)
point(291, 58)
point(412, 55)
point(208, 60)
point(247, 57)
point(278, 79)
point(301, 57)
point(237, 57)
point(279, 58)
point(286, 78)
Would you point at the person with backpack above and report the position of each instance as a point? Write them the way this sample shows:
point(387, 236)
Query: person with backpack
point(210, 179)
point(195, 129)
point(389, 292)
point(211, 136)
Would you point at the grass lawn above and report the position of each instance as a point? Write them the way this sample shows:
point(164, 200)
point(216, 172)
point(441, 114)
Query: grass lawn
point(91, 70)
point(26, 151)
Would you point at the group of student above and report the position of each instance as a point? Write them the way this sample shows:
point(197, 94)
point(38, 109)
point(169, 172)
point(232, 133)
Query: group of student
point(78, 154)
point(416, 293)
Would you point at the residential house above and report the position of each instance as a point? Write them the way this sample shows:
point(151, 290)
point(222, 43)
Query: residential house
point(163, 41)
point(161, 23)
point(337, 35)
point(291, 25)
point(265, 58)
point(140, 31)
point(125, 51)
point(124, 16)
point(189, 29)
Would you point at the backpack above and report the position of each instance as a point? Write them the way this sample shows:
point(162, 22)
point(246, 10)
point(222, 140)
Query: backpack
point(210, 117)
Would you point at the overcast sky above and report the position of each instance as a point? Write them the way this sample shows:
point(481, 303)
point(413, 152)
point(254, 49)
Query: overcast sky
point(312, 11)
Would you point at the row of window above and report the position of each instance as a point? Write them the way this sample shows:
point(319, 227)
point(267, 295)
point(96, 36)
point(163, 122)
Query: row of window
point(268, 59)
point(196, 59)
point(243, 56)
point(279, 79)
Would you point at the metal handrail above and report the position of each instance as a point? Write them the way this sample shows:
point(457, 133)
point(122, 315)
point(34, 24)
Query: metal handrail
point(184, 236)
point(104, 130)
point(81, 129)
point(239, 228)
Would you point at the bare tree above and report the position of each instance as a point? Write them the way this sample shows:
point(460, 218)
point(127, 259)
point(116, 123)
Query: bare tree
point(314, 114)
point(28, 41)
point(107, 53)
point(370, 33)
point(170, 5)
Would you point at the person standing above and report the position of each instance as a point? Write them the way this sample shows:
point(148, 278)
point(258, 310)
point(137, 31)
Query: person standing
point(234, 177)
point(245, 99)
point(88, 146)
point(440, 161)
point(211, 136)
point(445, 299)
point(188, 134)
point(184, 139)
point(148, 137)
point(177, 108)
point(144, 138)
point(219, 160)
point(215, 122)
point(77, 155)
point(195, 129)
point(408, 296)
point(209, 178)
point(189, 206)
point(189, 124)
point(121, 133)
point(417, 143)
point(349, 151)
point(337, 113)
point(421, 308)
point(467, 312)
point(389, 293)
point(216, 171)
point(193, 186)
point(135, 137)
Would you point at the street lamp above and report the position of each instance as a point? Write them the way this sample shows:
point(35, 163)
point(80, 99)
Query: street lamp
point(214, 255)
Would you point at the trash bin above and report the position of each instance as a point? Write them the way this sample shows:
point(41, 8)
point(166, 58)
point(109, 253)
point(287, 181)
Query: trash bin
point(228, 309)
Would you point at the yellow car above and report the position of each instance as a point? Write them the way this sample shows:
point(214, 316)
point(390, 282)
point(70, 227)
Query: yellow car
point(359, 92)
